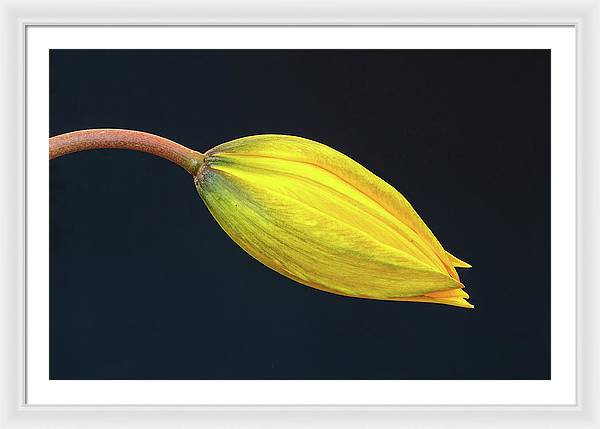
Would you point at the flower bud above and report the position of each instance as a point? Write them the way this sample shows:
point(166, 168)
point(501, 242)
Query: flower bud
point(316, 216)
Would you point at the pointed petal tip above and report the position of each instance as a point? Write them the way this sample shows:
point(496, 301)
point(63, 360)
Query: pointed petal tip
point(455, 302)
point(452, 293)
point(458, 263)
point(462, 302)
point(452, 301)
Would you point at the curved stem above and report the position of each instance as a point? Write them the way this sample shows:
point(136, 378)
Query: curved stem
point(107, 138)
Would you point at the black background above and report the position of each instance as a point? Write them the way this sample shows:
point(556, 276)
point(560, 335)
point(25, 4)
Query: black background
point(145, 285)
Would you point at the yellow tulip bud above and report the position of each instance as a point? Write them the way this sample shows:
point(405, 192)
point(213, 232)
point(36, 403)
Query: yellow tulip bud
point(316, 216)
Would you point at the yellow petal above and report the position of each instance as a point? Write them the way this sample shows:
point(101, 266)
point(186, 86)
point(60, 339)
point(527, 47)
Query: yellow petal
point(310, 152)
point(457, 262)
point(314, 215)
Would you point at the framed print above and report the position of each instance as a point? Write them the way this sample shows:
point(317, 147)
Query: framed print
point(384, 221)
point(345, 326)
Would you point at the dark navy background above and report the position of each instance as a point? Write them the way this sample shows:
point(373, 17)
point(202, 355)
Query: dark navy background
point(145, 285)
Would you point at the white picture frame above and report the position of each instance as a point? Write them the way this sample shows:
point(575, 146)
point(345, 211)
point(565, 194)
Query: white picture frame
point(583, 16)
